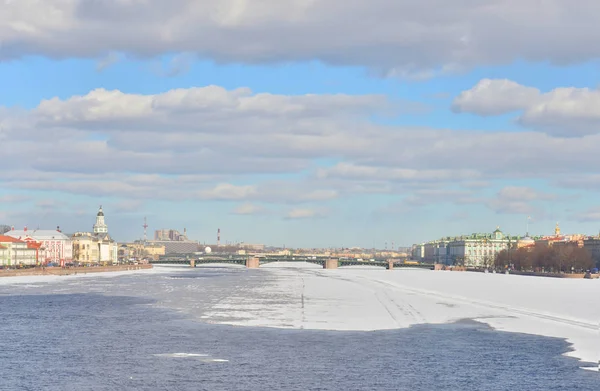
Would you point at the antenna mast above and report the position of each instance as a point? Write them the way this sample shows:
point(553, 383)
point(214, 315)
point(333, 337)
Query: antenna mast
point(145, 230)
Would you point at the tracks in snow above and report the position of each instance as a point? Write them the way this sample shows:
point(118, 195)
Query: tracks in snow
point(486, 304)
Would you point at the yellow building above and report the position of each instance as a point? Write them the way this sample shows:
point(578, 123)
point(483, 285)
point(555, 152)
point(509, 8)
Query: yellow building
point(140, 250)
point(95, 247)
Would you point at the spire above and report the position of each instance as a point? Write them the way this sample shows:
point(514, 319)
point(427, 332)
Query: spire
point(100, 226)
point(557, 230)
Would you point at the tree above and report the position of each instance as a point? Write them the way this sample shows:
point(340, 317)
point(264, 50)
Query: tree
point(581, 259)
point(522, 259)
point(502, 259)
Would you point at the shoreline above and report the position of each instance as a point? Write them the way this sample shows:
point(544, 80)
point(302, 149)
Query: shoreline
point(59, 271)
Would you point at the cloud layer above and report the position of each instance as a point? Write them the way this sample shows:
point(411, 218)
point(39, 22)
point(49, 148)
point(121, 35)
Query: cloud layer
point(296, 153)
point(566, 111)
point(399, 38)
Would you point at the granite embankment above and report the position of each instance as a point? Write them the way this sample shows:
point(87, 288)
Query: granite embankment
point(59, 271)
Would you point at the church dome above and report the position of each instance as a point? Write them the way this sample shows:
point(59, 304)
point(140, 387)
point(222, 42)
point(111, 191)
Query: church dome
point(100, 212)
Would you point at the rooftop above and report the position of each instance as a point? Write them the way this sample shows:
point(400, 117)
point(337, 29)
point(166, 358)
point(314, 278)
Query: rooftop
point(38, 234)
point(9, 239)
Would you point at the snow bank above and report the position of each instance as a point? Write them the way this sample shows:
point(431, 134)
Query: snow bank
point(33, 279)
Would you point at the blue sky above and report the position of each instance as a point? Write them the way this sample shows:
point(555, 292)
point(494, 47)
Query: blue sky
point(299, 125)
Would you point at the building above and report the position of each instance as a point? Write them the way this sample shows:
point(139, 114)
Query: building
point(15, 252)
point(475, 250)
point(592, 244)
point(97, 246)
point(170, 235)
point(254, 247)
point(177, 247)
point(561, 240)
point(54, 246)
point(480, 249)
point(139, 250)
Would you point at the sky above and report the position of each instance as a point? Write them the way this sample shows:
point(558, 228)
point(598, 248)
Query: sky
point(322, 123)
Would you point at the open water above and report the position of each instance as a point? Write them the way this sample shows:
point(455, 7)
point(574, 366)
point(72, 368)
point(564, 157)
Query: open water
point(69, 336)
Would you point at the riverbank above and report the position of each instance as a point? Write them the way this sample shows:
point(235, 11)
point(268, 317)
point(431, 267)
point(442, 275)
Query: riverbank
point(518, 273)
point(58, 271)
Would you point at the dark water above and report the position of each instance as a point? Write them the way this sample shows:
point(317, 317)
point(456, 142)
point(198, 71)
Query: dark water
point(97, 342)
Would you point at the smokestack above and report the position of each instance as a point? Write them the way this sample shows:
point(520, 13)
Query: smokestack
point(25, 229)
point(218, 237)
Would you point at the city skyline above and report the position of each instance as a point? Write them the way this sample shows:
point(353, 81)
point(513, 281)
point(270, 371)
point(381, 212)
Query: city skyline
point(346, 126)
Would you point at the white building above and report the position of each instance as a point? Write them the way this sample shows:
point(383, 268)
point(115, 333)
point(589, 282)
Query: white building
point(56, 247)
point(468, 250)
point(480, 249)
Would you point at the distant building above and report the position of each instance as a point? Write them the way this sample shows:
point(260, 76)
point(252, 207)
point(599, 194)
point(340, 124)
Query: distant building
point(170, 235)
point(96, 246)
point(139, 250)
point(16, 252)
point(173, 242)
point(561, 240)
point(55, 246)
point(473, 250)
point(177, 247)
point(256, 247)
point(593, 246)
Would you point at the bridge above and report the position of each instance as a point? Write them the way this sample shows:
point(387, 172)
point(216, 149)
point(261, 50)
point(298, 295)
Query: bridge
point(254, 262)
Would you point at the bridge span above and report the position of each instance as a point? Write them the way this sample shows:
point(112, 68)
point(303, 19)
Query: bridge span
point(255, 262)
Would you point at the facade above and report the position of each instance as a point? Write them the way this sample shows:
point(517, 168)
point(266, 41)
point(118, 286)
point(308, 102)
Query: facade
point(474, 250)
point(593, 246)
point(97, 246)
point(177, 247)
point(254, 247)
point(170, 235)
point(561, 240)
point(15, 252)
point(139, 250)
point(480, 249)
point(55, 246)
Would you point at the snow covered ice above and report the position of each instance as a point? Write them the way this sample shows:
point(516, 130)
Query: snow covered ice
point(304, 296)
point(357, 298)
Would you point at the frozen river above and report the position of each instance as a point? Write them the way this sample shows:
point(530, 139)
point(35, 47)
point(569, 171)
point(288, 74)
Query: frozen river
point(304, 328)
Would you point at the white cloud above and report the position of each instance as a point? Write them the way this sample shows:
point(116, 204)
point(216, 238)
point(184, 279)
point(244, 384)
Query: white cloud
point(566, 112)
point(14, 198)
point(201, 109)
point(399, 37)
point(106, 62)
point(126, 206)
point(232, 145)
point(494, 97)
point(589, 215)
point(248, 209)
point(303, 213)
point(227, 191)
point(519, 200)
point(561, 112)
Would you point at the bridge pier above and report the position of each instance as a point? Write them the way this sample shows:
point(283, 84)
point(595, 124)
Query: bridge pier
point(330, 264)
point(192, 263)
point(252, 263)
